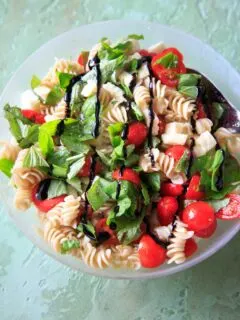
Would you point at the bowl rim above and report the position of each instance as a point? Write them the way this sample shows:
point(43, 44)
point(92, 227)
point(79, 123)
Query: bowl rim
point(152, 273)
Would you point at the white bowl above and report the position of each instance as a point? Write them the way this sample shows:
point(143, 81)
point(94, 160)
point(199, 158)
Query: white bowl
point(197, 55)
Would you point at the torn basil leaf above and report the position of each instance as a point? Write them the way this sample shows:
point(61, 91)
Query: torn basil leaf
point(169, 60)
point(96, 194)
point(6, 166)
point(190, 91)
point(188, 80)
point(64, 79)
point(54, 96)
point(152, 180)
point(35, 82)
point(69, 245)
point(34, 159)
point(56, 188)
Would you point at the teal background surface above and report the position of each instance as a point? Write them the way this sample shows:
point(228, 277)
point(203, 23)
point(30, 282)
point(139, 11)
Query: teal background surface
point(32, 285)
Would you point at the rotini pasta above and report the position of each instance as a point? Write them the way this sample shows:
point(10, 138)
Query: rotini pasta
point(181, 108)
point(23, 199)
point(9, 150)
point(126, 257)
point(117, 113)
point(57, 112)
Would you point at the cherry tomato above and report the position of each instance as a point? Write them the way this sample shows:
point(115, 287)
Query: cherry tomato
point(83, 57)
point(102, 226)
point(175, 51)
point(33, 116)
point(127, 174)
point(161, 125)
point(198, 216)
point(201, 112)
point(190, 247)
point(146, 53)
point(207, 233)
point(85, 171)
point(168, 77)
point(176, 152)
point(166, 209)
point(137, 133)
point(151, 254)
point(232, 210)
point(48, 204)
point(171, 189)
point(193, 192)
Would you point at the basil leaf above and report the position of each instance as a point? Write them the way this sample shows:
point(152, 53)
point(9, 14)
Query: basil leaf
point(217, 161)
point(115, 130)
point(96, 195)
point(64, 79)
point(30, 138)
point(35, 82)
point(54, 96)
point(183, 163)
point(217, 111)
point(56, 188)
point(108, 67)
point(45, 141)
point(219, 204)
point(145, 194)
point(126, 90)
point(69, 245)
point(77, 100)
point(87, 227)
point(75, 183)
point(190, 91)
point(132, 160)
point(137, 112)
point(59, 157)
point(104, 158)
point(76, 166)
point(34, 159)
point(136, 36)
point(188, 80)
point(169, 60)
point(58, 171)
point(132, 66)
point(152, 180)
point(6, 166)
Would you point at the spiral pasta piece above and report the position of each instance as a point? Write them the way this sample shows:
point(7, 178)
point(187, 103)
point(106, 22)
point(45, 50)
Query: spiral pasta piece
point(23, 199)
point(25, 177)
point(181, 108)
point(99, 257)
point(175, 250)
point(64, 66)
point(203, 125)
point(125, 256)
point(57, 112)
point(117, 113)
point(142, 97)
point(9, 150)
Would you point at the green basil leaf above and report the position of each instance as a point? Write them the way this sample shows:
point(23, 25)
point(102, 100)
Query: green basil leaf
point(76, 166)
point(126, 90)
point(137, 112)
point(96, 195)
point(35, 82)
point(54, 96)
point(34, 159)
point(183, 163)
point(58, 171)
point(115, 130)
point(136, 36)
point(104, 158)
point(108, 67)
point(77, 100)
point(191, 91)
point(59, 157)
point(132, 66)
point(6, 166)
point(75, 182)
point(45, 141)
point(217, 112)
point(83, 227)
point(145, 194)
point(64, 79)
point(69, 245)
point(30, 138)
point(217, 161)
point(56, 188)
point(152, 180)
point(188, 80)
point(169, 60)
point(219, 204)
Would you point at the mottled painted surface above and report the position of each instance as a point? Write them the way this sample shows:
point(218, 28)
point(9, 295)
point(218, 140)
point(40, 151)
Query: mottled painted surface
point(32, 285)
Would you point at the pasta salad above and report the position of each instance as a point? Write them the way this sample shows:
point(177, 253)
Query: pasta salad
point(123, 157)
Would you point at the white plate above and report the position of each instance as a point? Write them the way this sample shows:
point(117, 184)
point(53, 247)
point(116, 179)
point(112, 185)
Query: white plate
point(197, 55)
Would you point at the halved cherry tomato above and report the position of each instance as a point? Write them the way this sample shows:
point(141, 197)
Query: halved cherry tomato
point(207, 233)
point(127, 174)
point(168, 77)
point(171, 189)
point(166, 209)
point(33, 116)
point(198, 216)
point(83, 57)
point(85, 171)
point(146, 53)
point(176, 152)
point(48, 204)
point(102, 226)
point(193, 192)
point(161, 125)
point(151, 254)
point(137, 133)
point(232, 210)
point(190, 247)
point(201, 112)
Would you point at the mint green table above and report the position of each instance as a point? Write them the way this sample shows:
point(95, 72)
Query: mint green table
point(32, 285)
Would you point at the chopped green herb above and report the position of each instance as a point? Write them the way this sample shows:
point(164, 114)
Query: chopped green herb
point(96, 195)
point(152, 180)
point(56, 188)
point(69, 245)
point(35, 82)
point(54, 96)
point(136, 36)
point(64, 79)
point(34, 159)
point(169, 60)
point(190, 91)
point(6, 166)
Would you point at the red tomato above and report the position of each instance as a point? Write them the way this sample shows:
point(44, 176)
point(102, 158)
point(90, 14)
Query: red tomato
point(85, 171)
point(198, 216)
point(201, 112)
point(83, 57)
point(127, 174)
point(102, 226)
point(33, 116)
point(207, 233)
point(137, 133)
point(175, 51)
point(193, 192)
point(146, 53)
point(161, 125)
point(48, 204)
point(176, 152)
point(190, 247)
point(232, 210)
point(166, 209)
point(151, 254)
point(171, 189)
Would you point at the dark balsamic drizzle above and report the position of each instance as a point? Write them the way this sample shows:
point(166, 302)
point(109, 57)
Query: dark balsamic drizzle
point(42, 192)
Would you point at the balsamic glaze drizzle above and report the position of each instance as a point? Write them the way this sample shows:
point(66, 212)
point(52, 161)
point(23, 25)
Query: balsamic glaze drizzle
point(68, 94)
point(42, 192)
